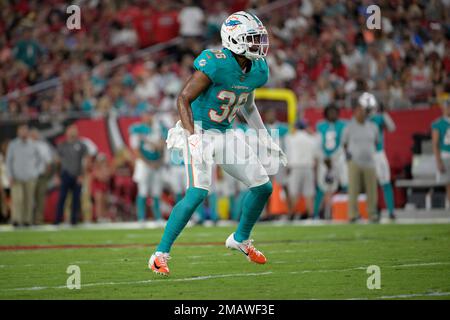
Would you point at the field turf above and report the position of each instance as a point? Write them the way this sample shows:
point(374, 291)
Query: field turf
point(305, 262)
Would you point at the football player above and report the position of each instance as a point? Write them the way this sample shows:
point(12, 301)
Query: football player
point(147, 145)
point(441, 146)
point(383, 121)
point(332, 168)
point(222, 84)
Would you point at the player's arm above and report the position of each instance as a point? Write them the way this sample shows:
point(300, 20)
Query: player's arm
point(388, 122)
point(251, 114)
point(195, 85)
point(437, 150)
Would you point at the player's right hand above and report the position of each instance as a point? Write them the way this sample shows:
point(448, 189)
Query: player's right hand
point(195, 147)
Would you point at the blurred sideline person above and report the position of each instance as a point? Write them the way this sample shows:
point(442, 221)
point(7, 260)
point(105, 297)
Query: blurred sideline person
point(302, 152)
point(146, 141)
point(332, 170)
point(383, 121)
point(441, 147)
point(5, 210)
point(71, 153)
point(44, 171)
point(100, 188)
point(22, 161)
point(281, 129)
point(360, 138)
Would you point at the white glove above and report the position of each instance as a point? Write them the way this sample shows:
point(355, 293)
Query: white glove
point(273, 147)
point(195, 147)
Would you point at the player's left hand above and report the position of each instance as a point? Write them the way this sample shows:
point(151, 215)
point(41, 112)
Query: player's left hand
point(275, 148)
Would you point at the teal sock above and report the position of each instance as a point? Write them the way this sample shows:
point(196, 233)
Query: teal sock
point(212, 202)
point(253, 204)
point(388, 197)
point(140, 207)
point(180, 216)
point(156, 208)
point(237, 210)
point(178, 197)
point(318, 202)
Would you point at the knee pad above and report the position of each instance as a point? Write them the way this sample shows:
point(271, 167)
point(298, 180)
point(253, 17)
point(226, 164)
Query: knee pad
point(265, 188)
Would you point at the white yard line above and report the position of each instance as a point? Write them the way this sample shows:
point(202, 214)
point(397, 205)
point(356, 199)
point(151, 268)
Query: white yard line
point(406, 296)
point(98, 284)
point(95, 284)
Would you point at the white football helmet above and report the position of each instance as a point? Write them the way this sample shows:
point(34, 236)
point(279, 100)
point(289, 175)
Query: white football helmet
point(368, 102)
point(244, 34)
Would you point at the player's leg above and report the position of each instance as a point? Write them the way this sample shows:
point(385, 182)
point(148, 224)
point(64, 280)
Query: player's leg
point(246, 167)
point(198, 177)
point(342, 172)
point(319, 190)
point(140, 176)
point(156, 192)
point(308, 189)
point(239, 200)
point(384, 179)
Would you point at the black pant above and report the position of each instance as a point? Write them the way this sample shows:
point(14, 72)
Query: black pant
point(69, 182)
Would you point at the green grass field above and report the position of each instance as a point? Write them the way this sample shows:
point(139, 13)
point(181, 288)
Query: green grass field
point(316, 262)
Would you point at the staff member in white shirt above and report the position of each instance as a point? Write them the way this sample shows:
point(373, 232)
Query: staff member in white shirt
point(302, 149)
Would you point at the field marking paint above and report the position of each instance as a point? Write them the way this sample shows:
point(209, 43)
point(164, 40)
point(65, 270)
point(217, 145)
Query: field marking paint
point(412, 295)
point(97, 284)
point(251, 275)
point(419, 264)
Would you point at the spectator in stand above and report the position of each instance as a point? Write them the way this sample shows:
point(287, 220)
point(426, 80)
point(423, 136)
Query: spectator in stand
point(22, 159)
point(44, 173)
point(192, 20)
point(320, 38)
point(166, 25)
point(420, 79)
point(72, 153)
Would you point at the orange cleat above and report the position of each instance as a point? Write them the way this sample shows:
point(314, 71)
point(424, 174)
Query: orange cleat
point(158, 263)
point(247, 248)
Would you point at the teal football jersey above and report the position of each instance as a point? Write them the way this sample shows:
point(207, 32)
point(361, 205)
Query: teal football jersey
point(378, 120)
point(146, 134)
point(330, 135)
point(442, 125)
point(217, 106)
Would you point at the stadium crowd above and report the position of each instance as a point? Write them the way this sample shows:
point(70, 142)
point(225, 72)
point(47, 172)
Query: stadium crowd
point(320, 49)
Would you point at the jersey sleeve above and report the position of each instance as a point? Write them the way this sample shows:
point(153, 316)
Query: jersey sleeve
point(206, 62)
